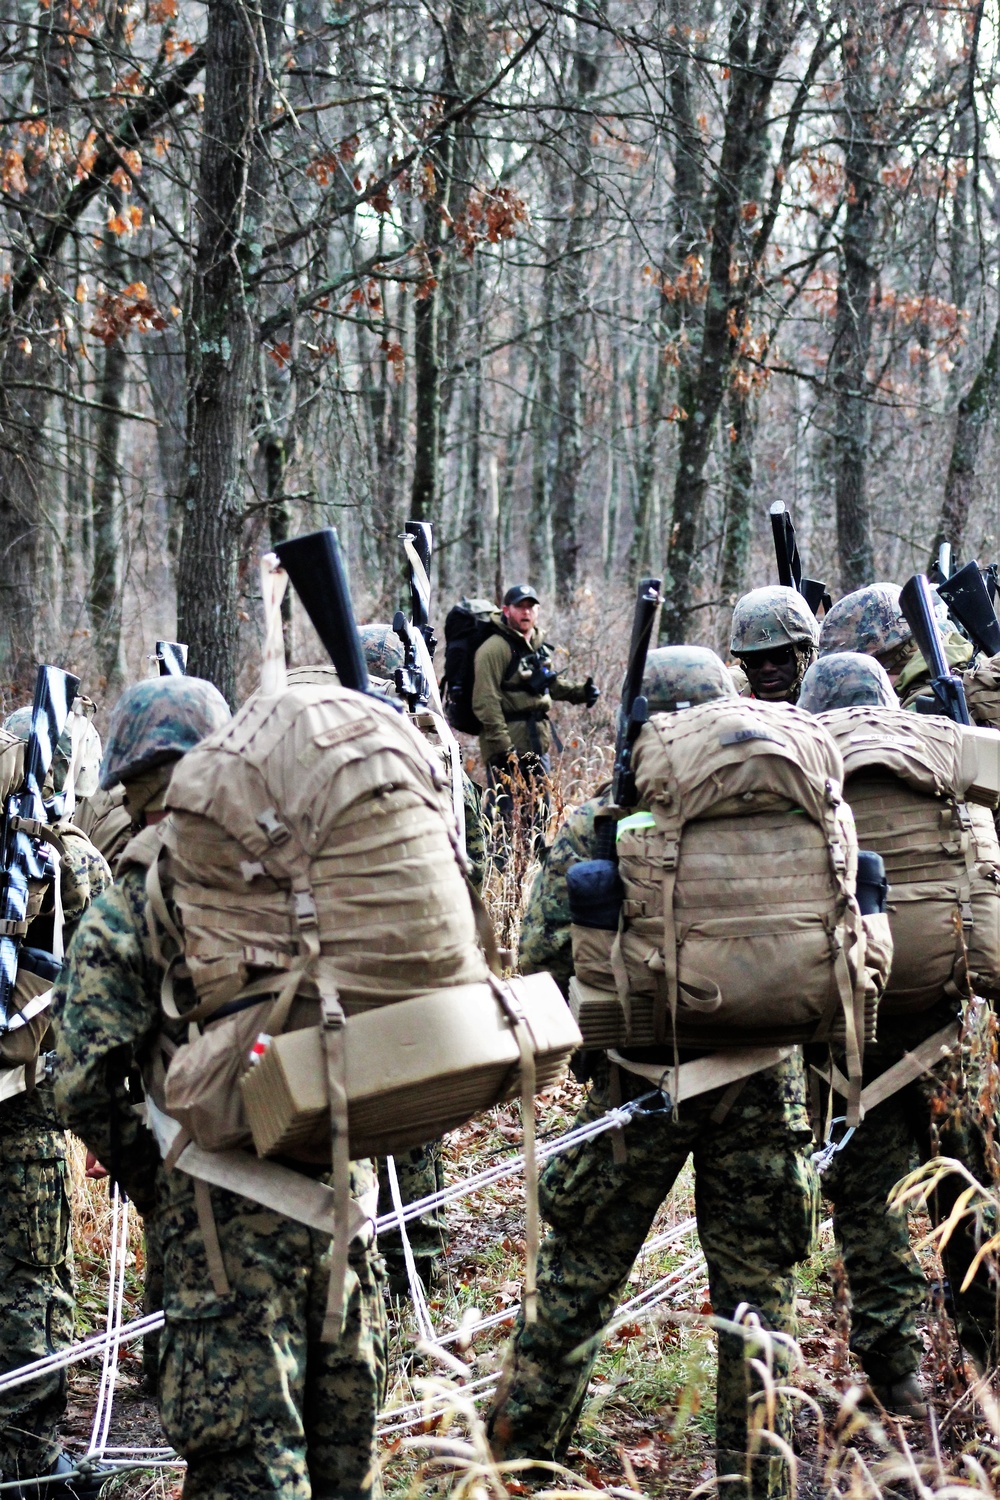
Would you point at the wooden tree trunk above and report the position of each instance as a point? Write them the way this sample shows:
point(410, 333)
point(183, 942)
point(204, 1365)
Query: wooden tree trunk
point(752, 79)
point(852, 335)
point(104, 593)
point(975, 410)
point(739, 497)
point(221, 349)
point(26, 367)
point(578, 193)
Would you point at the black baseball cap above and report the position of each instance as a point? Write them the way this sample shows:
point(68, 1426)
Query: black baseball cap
point(520, 593)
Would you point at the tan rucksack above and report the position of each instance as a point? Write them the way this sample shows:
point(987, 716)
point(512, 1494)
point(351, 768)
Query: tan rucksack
point(740, 925)
point(311, 857)
point(908, 778)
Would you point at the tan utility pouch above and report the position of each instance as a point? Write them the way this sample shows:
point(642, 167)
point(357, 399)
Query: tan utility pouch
point(21, 1046)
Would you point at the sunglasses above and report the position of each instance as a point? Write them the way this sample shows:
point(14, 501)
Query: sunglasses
point(778, 656)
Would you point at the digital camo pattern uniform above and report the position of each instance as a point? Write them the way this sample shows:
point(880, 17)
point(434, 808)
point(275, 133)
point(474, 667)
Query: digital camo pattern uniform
point(248, 1394)
point(756, 1205)
point(545, 942)
point(756, 1202)
point(932, 1117)
point(36, 1267)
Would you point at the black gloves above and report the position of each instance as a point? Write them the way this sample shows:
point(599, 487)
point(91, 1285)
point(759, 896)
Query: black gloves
point(591, 693)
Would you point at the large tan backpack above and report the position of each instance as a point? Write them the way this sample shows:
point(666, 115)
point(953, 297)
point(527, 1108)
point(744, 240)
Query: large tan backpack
point(312, 859)
point(740, 925)
point(908, 780)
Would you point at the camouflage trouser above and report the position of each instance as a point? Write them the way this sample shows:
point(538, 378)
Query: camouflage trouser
point(419, 1173)
point(755, 1198)
point(249, 1396)
point(932, 1117)
point(152, 1296)
point(36, 1295)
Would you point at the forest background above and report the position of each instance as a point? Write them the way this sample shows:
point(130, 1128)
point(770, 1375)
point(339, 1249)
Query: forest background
point(585, 284)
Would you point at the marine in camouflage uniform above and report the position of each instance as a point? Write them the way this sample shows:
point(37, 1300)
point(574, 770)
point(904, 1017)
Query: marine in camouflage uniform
point(774, 639)
point(933, 1116)
point(755, 1196)
point(36, 1260)
point(871, 622)
point(248, 1394)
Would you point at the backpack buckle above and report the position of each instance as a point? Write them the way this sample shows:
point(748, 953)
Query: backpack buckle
point(305, 908)
point(333, 1014)
point(668, 859)
point(272, 825)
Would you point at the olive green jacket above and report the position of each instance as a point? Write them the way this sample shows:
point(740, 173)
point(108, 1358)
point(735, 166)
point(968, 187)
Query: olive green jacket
point(498, 692)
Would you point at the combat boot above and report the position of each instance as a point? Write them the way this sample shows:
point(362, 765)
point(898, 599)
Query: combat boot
point(900, 1398)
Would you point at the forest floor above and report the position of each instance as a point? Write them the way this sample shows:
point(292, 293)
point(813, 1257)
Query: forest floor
point(648, 1425)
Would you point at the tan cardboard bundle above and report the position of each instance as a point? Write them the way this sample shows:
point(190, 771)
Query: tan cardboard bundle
point(412, 1072)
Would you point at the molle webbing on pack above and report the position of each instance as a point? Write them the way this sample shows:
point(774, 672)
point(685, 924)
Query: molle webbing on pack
point(907, 781)
point(739, 924)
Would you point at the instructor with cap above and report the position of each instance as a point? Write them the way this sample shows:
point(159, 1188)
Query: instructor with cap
point(513, 690)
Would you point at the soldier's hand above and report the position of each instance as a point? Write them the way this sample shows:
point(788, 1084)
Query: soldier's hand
point(94, 1170)
point(591, 693)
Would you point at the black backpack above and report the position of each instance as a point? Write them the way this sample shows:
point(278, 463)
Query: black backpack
point(465, 630)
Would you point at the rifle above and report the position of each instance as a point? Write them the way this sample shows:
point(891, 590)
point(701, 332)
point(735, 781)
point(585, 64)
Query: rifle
point(633, 710)
point(594, 885)
point(415, 680)
point(171, 657)
point(918, 611)
point(24, 827)
point(418, 540)
point(968, 600)
point(315, 565)
point(412, 683)
point(789, 564)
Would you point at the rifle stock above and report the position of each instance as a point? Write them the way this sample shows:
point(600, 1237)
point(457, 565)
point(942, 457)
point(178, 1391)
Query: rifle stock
point(171, 658)
point(786, 554)
point(968, 600)
point(918, 610)
point(315, 565)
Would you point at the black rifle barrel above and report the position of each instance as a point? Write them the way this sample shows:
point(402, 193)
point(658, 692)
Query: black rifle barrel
point(315, 565)
point(968, 599)
point(918, 609)
point(647, 608)
point(786, 551)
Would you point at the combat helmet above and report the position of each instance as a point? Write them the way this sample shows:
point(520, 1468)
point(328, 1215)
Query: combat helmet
point(382, 650)
point(681, 676)
point(870, 621)
point(159, 720)
point(79, 729)
point(774, 616)
point(844, 678)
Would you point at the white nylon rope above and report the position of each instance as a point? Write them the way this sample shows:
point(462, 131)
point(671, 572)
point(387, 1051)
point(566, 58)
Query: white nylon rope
point(421, 1311)
point(151, 1322)
point(112, 1339)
